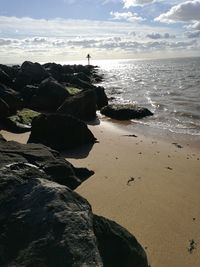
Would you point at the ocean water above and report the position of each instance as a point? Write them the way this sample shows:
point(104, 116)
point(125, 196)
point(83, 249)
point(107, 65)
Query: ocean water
point(170, 88)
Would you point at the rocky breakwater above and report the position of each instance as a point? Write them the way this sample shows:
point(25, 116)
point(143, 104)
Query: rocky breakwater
point(44, 223)
point(48, 88)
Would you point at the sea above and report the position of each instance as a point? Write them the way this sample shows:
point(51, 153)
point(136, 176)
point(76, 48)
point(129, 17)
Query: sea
point(170, 88)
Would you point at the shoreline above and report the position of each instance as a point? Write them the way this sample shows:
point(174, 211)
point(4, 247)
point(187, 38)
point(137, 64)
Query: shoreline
point(148, 185)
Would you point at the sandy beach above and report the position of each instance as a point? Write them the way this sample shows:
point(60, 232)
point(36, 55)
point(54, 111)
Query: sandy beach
point(149, 186)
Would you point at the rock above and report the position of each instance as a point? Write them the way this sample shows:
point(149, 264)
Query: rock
point(45, 159)
point(14, 126)
point(125, 112)
point(117, 246)
point(46, 224)
point(101, 97)
point(50, 95)
point(82, 105)
point(43, 223)
point(11, 98)
point(60, 132)
point(2, 139)
point(11, 71)
point(81, 84)
point(4, 109)
point(27, 94)
point(30, 73)
point(54, 70)
point(4, 78)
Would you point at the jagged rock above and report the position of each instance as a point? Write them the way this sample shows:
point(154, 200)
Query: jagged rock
point(50, 95)
point(82, 105)
point(125, 112)
point(43, 223)
point(11, 98)
point(60, 132)
point(117, 246)
point(45, 159)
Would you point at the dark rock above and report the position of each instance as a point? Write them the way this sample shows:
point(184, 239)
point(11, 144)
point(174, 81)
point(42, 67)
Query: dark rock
point(27, 94)
point(60, 132)
point(43, 223)
point(30, 73)
point(125, 112)
point(82, 105)
point(4, 109)
point(50, 95)
point(11, 71)
point(45, 159)
point(54, 70)
point(117, 246)
point(14, 126)
point(101, 97)
point(81, 84)
point(11, 98)
point(4, 78)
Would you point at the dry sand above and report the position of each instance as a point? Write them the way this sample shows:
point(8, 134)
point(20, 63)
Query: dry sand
point(150, 187)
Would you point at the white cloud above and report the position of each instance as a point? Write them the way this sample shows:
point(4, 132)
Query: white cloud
point(193, 34)
point(184, 12)
point(60, 39)
point(127, 16)
point(130, 3)
point(155, 35)
point(194, 26)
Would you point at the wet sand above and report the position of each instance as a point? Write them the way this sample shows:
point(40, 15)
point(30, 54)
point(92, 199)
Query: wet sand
point(150, 187)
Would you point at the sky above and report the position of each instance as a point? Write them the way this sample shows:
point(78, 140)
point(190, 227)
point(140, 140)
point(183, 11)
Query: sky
point(62, 30)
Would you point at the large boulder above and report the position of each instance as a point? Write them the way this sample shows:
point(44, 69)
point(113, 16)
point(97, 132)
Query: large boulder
point(50, 95)
point(116, 245)
point(60, 132)
point(30, 73)
point(43, 223)
point(82, 105)
point(125, 112)
point(45, 159)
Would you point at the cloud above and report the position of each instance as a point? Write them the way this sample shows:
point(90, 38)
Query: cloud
point(130, 3)
point(194, 26)
point(155, 35)
point(184, 12)
point(193, 34)
point(127, 16)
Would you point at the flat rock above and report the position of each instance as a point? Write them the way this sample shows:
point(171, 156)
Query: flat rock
point(125, 112)
point(45, 159)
